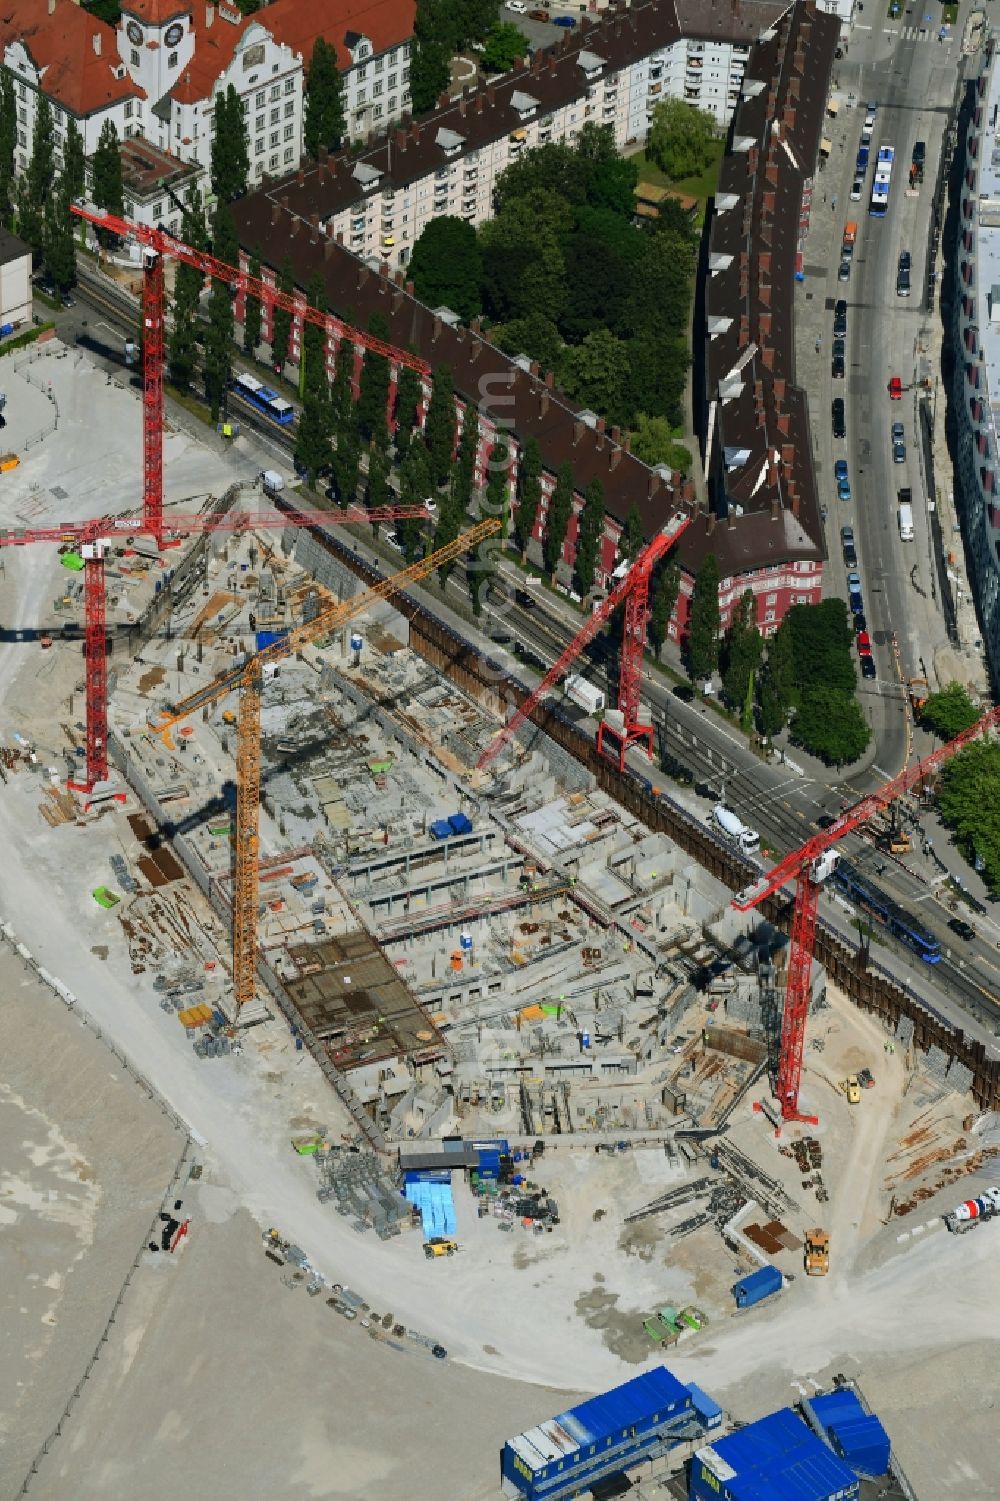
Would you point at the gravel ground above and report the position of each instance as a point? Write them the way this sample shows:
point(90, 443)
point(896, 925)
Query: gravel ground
point(85, 1157)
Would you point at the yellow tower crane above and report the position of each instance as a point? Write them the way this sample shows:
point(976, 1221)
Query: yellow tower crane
point(249, 680)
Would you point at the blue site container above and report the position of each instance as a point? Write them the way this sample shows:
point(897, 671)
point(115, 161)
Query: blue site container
point(5, 329)
point(460, 824)
point(268, 638)
point(858, 1437)
point(757, 1286)
point(440, 828)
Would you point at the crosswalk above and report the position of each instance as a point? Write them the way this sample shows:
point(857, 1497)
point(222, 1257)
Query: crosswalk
point(917, 34)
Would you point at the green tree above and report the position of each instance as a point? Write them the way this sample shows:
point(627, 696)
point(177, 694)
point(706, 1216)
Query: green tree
point(681, 138)
point(496, 499)
point(342, 389)
point(346, 463)
point(742, 650)
point(252, 307)
point(377, 491)
point(8, 145)
point(559, 513)
point(312, 443)
point(107, 190)
point(588, 540)
point(776, 684)
point(830, 724)
point(702, 645)
point(36, 184)
point(597, 373)
point(666, 587)
point(373, 395)
point(536, 336)
point(230, 162)
point(610, 178)
point(822, 640)
point(74, 172)
point(632, 536)
point(325, 120)
point(58, 254)
point(447, 266)
point(409, 393)
point(430, 75)
point(219, 334)
point(414, 487)
point(182, 344)
point(653, 443)
point(949, 712)
point(524, 264)
point(529, 493)
point(968, 794)
point(463, 475)
point(505, 44)
point(281, 318)
point(439, 429)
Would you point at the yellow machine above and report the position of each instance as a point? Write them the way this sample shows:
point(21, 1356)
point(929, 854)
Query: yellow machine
point(817, 1253)
point(439, 1246)
point(852, 1089)
point(249, 680)
point(8, 461)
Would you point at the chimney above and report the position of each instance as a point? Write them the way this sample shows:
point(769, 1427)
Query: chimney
point(314, 227)
point(775, 508)
point(793, 496)
point(362, 275)
point(443, 101)
point(711, 522)
point(627, 442)
point(301, 176)
point(550, 379)
point(615, 458)
point(383, 271)
point(435, 330)
point(328, 249)
point(397, 276)
point(97, 44)
point(616, 434)
point(779, 389)
point(491, 96)
point(340, 237)
point(275, 207)
point(52, 7)
point(578, 428)
point(543, 400)
point(687, 492)
point(293, 227)
point(534, 367)
point(209, 15)
point(476, 325)
point(601, 424)
point(462, 105)
point(784, 424)
point(400, 137)
point(409, 288)
point(788, 454)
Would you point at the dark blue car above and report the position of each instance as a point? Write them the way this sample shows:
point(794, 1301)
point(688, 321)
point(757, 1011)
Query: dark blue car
point(862, 160)
point(566, 21)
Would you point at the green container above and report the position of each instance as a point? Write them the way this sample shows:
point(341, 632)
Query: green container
point(654, 1329)
point(72, 561)
point(105, 898)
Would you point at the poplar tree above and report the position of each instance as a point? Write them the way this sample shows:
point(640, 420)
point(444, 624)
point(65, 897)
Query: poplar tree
point(219, 334)
point(36, 183)
point(252, 308)
point(8, 145)
point(325, 117)
point(182, 346)
point(560, 511)
point(281, 319)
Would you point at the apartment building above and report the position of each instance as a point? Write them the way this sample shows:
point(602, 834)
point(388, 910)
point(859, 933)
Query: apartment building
point(380, 200)
point(158, 73)
point(975, 336)
point(764, 524)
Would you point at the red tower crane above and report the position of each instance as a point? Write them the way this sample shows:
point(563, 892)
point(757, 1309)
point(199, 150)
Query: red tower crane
point(633, 589)
point(809, 867)
point(93, 537)
point(157, 243)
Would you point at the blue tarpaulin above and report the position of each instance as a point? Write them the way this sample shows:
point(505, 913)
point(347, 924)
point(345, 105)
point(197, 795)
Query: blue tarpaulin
point(460, 824)
point(441, 828)
point(436, 1205)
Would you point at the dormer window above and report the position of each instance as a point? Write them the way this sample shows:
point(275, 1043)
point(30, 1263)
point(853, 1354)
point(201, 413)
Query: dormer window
point(525, 105)
point(591, 64)
point(118, 71)
point(450, 141)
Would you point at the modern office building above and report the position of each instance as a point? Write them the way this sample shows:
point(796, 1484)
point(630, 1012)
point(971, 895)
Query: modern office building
point(975, 392)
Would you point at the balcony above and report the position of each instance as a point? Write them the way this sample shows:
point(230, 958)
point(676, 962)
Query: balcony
point(654, 89)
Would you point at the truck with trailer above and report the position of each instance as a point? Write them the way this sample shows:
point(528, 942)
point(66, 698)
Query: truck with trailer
point(745, 838)
point(904, 516)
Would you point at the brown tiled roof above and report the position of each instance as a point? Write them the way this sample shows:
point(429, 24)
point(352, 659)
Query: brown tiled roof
point(521, 398)
point(762, 450)
point(60, 42)
point(553, 77)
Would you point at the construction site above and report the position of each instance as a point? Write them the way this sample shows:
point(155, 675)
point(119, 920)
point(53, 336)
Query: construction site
point(467, 1038)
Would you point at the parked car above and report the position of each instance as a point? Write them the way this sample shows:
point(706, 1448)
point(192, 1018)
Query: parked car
point(898, 444)
point(860, 623)
point(868, 669)
point(847, 535)
point(840, 469)
point(837, 367)
point(895, 388)
point(857, 188)
point(864, 644)
point(902, 283)
point(964, 930)
point(904, 260)
point(844, 489)
point(566, 21)
point(519, 7)
point(844, 273)
point(840, 320)
point(863, 158)
point(839, 420)
point(825, 821)
point(683, 691)
point(850, 553)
